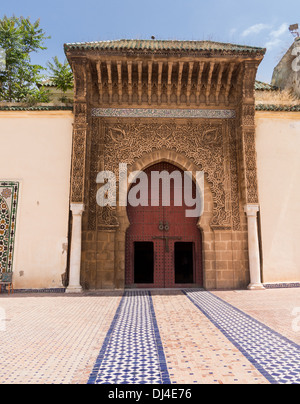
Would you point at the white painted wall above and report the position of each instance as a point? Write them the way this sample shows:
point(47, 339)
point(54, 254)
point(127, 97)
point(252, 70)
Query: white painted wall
point(278, 158)
point(36, 150)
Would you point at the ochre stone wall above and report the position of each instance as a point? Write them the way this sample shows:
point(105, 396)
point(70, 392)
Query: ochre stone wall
point(98, 260)
point(225, 252)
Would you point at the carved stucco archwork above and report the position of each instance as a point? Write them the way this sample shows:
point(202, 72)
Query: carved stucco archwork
point(209, 144)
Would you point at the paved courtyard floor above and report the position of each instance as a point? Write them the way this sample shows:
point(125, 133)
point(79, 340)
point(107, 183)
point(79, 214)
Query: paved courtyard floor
point(157, 337)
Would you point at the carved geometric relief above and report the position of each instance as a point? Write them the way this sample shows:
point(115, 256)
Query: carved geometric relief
point(247, 151)
point(248, 115)
point(251, 166)
point(107, 218)
point(234, 185)
point(78, 164)
point(79, 152)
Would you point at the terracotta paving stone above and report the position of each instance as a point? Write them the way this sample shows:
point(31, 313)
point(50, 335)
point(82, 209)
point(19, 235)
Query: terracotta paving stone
point(196, 351)
point(278, 309)
point(56, 339)
point(53, 339)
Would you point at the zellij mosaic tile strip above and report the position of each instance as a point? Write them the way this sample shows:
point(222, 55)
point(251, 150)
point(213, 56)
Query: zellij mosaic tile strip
point(132, 352)
point(276, 357)
point(9, 193)
point(163, 113)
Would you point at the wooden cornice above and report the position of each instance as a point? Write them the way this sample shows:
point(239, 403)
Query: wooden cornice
point(166, 82)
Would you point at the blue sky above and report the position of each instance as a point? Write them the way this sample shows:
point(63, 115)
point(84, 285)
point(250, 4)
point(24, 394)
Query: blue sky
point(256, 22)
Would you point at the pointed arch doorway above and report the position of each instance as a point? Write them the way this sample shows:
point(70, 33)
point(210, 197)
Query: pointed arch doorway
point(163, 246)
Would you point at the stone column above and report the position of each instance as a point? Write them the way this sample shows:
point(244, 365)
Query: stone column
point(75, 258)
point(253, 247)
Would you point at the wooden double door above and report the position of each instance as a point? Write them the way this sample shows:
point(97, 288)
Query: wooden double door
point(163, 245)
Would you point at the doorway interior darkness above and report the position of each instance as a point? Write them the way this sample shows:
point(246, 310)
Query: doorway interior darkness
point(163, 246)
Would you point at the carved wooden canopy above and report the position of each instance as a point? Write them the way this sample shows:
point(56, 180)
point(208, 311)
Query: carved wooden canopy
point(161, 73)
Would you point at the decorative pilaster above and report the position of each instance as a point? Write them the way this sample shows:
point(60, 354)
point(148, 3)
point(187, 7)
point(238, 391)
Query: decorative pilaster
point(75, 258)
point(79, 153)
point(253, 247)
point(80, 129)
point(246, 135)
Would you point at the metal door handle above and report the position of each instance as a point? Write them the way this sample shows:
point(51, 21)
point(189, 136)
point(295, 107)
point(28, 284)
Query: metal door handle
point(163, 226)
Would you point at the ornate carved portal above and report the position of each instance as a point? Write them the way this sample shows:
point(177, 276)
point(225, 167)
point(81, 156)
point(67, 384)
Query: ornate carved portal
point(193, 108)
point(209, 144)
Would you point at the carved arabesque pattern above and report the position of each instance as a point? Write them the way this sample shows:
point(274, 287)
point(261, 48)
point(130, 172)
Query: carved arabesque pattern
point(251, 164)
point(79, 153)
point(203, 142)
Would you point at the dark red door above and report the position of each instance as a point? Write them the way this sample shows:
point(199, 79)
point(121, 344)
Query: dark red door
point(163, 246)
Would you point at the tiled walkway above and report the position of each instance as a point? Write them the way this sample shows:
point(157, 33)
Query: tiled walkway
point(196, 351)
point(277, 358)
point(157, 337)
point(132, 352)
